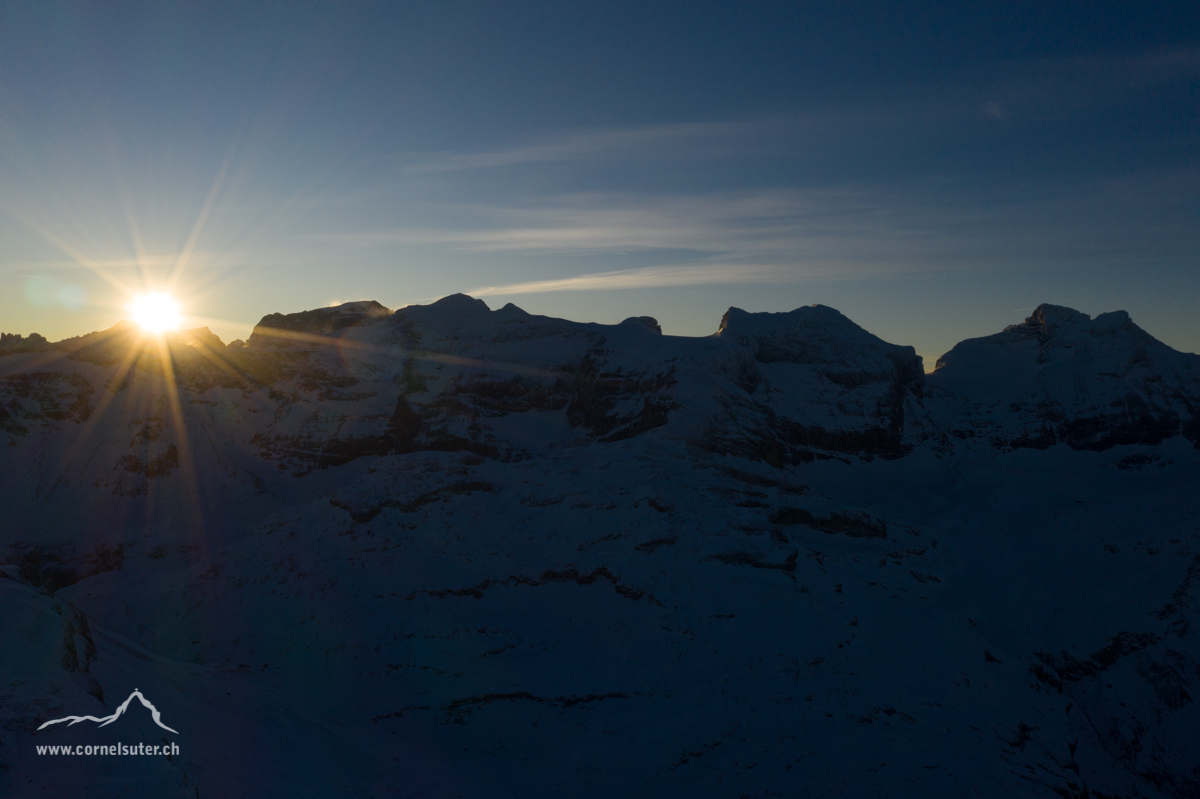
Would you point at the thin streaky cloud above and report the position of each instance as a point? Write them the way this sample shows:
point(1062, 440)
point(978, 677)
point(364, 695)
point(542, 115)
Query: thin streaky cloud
point(680, 139)
point(1061, 88)
point(915, 225)
point(587, 145)
point(1042, 87)
point(692, 275)
point(744, 223)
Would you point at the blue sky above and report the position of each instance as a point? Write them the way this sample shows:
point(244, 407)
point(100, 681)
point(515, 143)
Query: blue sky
point(933, 170)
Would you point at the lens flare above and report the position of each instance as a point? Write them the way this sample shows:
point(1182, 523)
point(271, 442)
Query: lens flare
point(155, 312)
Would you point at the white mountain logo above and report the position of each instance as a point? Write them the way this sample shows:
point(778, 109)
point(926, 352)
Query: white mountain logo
point(116, 715)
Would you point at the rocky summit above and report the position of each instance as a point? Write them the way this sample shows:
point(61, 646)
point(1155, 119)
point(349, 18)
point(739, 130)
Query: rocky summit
point(453, 551)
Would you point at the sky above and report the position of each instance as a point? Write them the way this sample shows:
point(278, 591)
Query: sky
point(932, 170)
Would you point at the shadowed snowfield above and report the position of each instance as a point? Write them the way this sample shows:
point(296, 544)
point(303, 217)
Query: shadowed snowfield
point(449, 551)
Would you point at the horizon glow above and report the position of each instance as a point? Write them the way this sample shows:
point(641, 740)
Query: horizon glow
point(979, 162)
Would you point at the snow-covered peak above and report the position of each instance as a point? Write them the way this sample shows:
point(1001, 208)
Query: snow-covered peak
point(648, 322)
point(459, 323)
point(1053, 317)
point(455, 307)
point(1110, 344)
point(808, 316)
point(1062, 376)
point(201, 337)
point(15, 342)
point(275, 328)
point(1057, 328)
point(820, 336)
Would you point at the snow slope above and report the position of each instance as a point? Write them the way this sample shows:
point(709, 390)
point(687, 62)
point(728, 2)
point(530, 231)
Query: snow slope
point(450, 551)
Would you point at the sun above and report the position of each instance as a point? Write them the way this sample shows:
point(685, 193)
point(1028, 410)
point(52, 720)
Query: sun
point(155, 312)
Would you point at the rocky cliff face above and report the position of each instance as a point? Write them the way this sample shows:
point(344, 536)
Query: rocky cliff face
point(477, 552)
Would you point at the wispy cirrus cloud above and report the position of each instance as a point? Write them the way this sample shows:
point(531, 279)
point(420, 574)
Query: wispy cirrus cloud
point(763, 237)
point(1033, 88)
point(1056, 89)
point(706, 274)
point(813, 195)
point(716, 223)
point(593, 144)
point(800, 235)
point(648, 277)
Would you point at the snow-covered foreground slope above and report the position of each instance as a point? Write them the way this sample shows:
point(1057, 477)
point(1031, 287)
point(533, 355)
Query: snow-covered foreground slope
point(459, 552)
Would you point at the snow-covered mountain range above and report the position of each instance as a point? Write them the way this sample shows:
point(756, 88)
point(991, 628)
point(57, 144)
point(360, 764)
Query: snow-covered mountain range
point(451, 551)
